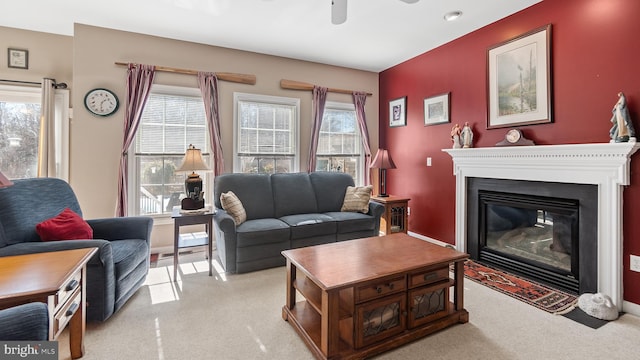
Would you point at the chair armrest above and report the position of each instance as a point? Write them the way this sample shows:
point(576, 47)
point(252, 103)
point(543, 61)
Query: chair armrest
point(120, 228)
point(25, 322)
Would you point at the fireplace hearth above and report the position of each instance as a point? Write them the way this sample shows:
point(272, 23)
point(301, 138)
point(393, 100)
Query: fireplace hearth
point(604, 165)
point(544, 231)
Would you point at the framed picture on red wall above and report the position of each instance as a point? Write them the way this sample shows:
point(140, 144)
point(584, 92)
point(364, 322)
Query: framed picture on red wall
point(436, 109)
point(519, 80)
point(398, 112)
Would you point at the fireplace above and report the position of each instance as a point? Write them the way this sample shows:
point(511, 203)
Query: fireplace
point(544, 231)
point(604, 165)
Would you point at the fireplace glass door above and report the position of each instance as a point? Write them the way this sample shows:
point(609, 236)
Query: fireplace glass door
point(534, 231)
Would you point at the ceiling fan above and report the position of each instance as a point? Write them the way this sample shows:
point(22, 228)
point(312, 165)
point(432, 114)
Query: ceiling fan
point(339, 10)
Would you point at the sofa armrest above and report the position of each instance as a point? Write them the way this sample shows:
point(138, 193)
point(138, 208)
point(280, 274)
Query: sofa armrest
point(226, 239)
point(376, 210)
point(120, 228)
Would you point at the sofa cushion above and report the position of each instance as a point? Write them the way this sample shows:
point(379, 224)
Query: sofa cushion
point(293, 194)
point(127, 255)
point(262, 231)
point(330, 188)
point(352, 221)
point(65, 226)
point(310, 225)
point(232, 205)
point(356, 198)
point(253, 190)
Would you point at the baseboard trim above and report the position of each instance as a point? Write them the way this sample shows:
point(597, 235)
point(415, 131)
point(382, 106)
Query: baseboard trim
point(431, 240)
point(631, 308)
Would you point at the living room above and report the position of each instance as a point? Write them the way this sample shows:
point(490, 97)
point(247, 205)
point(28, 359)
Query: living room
point(593, 59)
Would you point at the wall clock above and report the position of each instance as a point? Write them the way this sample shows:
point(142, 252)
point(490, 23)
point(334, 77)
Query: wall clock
point(514, 137)
point(101, 102)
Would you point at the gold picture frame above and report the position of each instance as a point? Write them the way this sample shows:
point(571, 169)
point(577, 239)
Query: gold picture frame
point(519, 88)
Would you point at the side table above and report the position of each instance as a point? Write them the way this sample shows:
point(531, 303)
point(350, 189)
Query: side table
point(55, 278)
point(396, 214)
point(183, 219)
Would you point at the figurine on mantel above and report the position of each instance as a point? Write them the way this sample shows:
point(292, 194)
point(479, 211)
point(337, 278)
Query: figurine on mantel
point(622, 129)
point(455, 136)
point(466, 136)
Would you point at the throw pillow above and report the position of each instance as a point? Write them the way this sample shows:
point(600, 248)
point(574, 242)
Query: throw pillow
point(232, 205)
point(65, 226)
point(357, 198)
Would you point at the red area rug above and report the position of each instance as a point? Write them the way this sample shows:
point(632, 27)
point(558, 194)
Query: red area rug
point(548, 299)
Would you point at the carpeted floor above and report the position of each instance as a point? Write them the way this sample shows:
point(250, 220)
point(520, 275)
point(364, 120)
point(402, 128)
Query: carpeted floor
point(238, 317)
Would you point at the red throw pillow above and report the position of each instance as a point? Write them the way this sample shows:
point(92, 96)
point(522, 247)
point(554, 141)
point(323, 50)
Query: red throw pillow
point(66, 226)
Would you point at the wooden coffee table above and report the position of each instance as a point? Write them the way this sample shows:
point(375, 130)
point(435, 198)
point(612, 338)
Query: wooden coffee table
point(366, 296)
point(55, 278)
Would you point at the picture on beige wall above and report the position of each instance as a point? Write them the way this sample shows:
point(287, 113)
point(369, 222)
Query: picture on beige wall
point(519, 80)
point(17, 58)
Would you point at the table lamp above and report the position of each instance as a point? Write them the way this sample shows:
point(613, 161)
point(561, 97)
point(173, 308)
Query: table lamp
point(4, 182)
point(382, 161)
point(193, 162)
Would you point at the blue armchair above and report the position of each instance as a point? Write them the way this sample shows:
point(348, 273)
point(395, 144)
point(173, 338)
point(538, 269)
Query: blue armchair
point(114, 274)
point(25, 322)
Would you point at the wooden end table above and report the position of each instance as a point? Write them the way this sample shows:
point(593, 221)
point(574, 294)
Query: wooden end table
point(396, 214)
point(179, 242)
point(57, 279)
point(366, 296)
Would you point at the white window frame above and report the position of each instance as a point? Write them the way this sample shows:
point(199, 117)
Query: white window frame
point(279, 100)
point(62, 113)
point(349, 107)
point(134, 176)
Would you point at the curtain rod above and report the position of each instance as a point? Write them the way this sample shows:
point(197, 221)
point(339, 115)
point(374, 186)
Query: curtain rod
point(56, 85)
point(299, 85)
point(224, 76)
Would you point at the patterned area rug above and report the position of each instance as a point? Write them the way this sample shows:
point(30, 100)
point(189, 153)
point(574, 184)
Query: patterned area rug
point(543, 297)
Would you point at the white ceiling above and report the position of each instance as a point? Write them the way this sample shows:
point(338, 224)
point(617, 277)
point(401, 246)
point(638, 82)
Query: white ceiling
point(378, 34)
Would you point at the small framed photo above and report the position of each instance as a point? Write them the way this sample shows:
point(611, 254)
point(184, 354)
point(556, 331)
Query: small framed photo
point(398, 112)
point(436, 109)
point(18, 58)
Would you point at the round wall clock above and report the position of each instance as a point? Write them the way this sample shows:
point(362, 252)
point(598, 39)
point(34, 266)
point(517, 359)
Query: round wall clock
point(101, 102)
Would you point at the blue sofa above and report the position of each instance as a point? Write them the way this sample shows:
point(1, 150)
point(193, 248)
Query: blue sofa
point(285, 211)
point(119, 267)
point(25, 322)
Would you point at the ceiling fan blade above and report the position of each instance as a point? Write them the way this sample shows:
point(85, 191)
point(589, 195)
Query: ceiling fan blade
point(338, 11)
point(410, 1)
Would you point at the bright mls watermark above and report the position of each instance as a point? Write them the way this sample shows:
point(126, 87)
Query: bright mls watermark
point(30, 350)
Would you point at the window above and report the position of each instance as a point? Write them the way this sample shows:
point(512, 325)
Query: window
point(265, 134)
point(339, 143)
point(172, 119)
point(20, 127)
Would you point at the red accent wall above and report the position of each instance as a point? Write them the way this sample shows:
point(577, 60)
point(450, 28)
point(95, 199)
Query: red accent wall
point(595, 52)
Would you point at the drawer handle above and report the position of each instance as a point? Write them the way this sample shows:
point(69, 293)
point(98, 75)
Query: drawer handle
point(72, 309)
point(430, 276)
point(390, 286)
point(72, 285)
point(379, 289)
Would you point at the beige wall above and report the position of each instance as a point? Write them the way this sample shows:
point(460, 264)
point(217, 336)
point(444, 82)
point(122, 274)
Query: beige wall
point(96, 141)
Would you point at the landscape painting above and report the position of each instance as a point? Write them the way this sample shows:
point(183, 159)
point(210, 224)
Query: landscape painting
point(519, 81)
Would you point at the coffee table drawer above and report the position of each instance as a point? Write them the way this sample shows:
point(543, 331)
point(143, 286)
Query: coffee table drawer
point(428, 277)
point(67, 289)
point(66, 312)
point(380, 288)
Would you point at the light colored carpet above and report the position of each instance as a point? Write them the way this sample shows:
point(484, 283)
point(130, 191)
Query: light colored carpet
point(228, 317)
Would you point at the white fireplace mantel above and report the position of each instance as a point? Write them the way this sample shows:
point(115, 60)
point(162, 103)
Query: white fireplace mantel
point(602, 164)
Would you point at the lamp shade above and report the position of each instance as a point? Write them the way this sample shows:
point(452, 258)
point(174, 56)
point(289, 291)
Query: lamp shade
point(192, 161)
point(382, 160)
point(4, 182)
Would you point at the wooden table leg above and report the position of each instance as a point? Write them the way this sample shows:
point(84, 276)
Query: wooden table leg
point(458, 297)
point(209, 227)
point(176, 239)
point(77, 324)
